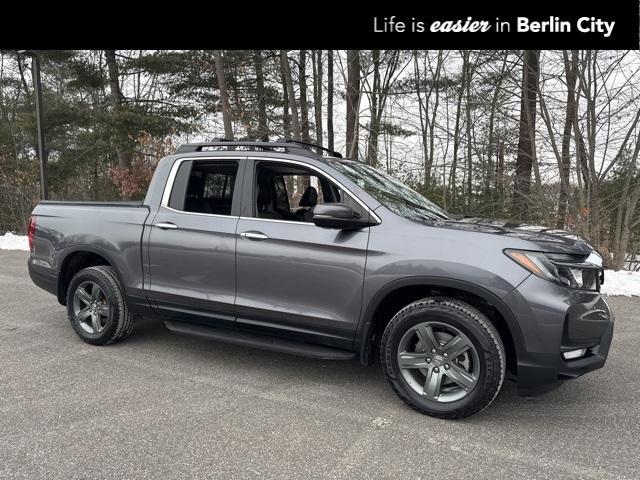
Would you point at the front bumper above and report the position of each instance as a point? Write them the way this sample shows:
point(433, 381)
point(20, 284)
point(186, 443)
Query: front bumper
point(554, 319)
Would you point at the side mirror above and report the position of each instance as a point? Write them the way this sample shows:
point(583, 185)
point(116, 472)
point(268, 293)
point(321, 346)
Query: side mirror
point(338, 215)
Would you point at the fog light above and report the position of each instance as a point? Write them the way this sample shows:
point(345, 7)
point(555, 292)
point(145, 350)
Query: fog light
point(574, 354)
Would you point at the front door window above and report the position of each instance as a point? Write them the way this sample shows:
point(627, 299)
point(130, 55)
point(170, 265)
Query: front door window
point(290, 192)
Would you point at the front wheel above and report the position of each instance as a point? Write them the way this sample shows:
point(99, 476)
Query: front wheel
point(443, 357)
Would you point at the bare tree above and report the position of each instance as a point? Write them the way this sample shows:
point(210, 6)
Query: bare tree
point(117, 100)
point(426, 87)
point(288, 83)
point(330, 100)
point(526, 143)
point(606, 103)
point(304, 102)
point(317, 93)
point(469, 129)
point(224, 95)
point(456, 133)
point(385, 68)
point(263, 129)
point(353, 102)
point(286, 113)
point(492, 149)
point(570, 67)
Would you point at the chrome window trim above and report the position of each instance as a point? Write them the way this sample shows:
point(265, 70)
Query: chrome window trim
point(170, 179)
point(322, 172)
point(293, 222)
point(166, 194)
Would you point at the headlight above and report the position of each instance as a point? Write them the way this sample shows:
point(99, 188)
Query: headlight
point(595, 258)
point(559, 268)
point(536, 262)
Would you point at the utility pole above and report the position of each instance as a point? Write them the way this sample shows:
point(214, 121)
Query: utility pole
point(42, 151)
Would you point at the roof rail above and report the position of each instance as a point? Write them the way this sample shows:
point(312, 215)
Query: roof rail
point(219, 144)
point(283, 144)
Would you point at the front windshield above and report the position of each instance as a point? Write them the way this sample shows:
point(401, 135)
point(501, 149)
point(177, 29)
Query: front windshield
point(394, 195)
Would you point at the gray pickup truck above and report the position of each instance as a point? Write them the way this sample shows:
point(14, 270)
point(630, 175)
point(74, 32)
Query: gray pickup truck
point(278, 245)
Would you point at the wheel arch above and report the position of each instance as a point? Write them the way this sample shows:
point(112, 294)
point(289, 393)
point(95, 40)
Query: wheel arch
point(76, 259)
point(399, 293)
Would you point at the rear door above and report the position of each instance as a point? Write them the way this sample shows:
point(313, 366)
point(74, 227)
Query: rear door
point(193, 239)
point(294, 278)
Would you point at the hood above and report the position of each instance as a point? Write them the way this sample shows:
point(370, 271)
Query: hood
point(547, 239)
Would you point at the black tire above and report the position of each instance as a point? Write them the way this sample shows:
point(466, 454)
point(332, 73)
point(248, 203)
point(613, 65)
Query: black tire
point(461, 317)
point(115, 325)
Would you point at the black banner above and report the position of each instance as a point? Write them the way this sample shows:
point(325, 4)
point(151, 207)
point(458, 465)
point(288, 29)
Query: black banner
point(609, 25)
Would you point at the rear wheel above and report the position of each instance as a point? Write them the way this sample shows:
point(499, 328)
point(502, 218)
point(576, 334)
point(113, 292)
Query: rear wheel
point(96, 308)
point(443, 357)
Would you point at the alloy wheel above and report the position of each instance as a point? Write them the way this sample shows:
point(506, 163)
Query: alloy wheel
point(438, 361)
point(90, 307)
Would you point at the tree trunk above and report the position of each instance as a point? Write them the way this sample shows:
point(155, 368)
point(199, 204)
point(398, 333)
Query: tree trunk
point(376, 113)
point(286, 71)
point(489, 180)
point(224, 95)
point(23, 80)
point(263, 129)
point(303, 180)
point(117, 101)
point(317, 94)
point(304, 102)
point(565, 155)
point(526, 141)
point(330, 144)
point(456, 132)
point(286, 115)
point(423, 116)
point(499, 180)
point(469, 190)
point(434, 111)
point(286, 118)
point(353, 101)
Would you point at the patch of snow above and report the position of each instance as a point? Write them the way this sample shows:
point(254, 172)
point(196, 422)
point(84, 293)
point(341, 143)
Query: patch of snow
point(9, 241)
point(623, 283)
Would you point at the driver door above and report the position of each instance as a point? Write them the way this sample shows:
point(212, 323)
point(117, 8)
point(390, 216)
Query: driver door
point(294, 278)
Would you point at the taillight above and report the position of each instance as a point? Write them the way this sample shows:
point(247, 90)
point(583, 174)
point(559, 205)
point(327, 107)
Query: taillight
point(31, 232)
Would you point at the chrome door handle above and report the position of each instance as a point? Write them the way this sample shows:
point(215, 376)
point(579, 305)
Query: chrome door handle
point(254, 235)
point(166, 226)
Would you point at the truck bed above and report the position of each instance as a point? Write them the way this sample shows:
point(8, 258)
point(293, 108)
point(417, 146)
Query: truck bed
point(112, 230)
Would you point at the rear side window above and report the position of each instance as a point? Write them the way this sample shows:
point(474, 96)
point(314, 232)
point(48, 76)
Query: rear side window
point(208, 188)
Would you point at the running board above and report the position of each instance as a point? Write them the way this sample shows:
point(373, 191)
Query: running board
point(257, 340)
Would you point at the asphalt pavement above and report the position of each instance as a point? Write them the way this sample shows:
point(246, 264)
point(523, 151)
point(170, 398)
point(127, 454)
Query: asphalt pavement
point(163, 406)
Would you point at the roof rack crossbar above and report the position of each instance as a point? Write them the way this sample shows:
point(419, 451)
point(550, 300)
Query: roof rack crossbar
point(227, 145)
point(283, 143)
